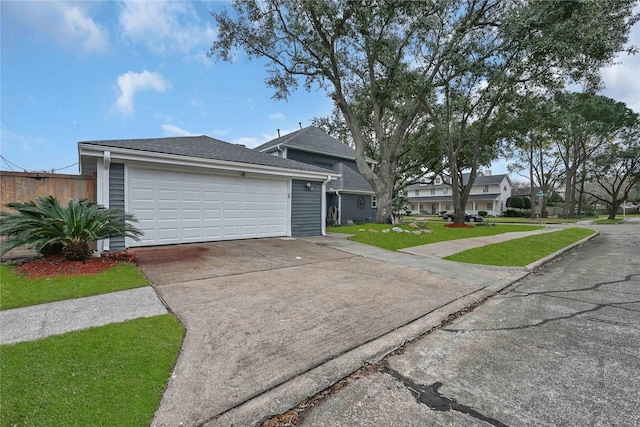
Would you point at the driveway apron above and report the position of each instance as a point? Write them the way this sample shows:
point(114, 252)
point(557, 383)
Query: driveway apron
point(260, 313)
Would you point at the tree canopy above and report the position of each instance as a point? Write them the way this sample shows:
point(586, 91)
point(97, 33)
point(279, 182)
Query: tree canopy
point(432, 72)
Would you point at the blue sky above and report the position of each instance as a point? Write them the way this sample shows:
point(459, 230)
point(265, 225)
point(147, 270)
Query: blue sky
point(92, 70)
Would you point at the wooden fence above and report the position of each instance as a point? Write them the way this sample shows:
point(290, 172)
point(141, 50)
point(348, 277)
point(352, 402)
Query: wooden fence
point(26, 186)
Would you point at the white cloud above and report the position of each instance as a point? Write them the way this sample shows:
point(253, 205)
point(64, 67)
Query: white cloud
point(67, 23)
point(277, 116)
point(173, 130)
point(131, 82)
point(166, 27)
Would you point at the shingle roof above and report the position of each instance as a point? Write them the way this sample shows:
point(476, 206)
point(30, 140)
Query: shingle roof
point(314, 140)
point(480, 180)
point(206, 147)
point(446, 198)
point(349, 180)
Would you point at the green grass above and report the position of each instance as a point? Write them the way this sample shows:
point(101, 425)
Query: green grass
point(18, 291)
point(608, 221)
point(394, 241)
point(523, 251)
point(112, 375)
point(503, 220)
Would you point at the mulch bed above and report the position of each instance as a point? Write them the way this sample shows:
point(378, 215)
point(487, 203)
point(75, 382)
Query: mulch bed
point(56, 265)
point(453, 225)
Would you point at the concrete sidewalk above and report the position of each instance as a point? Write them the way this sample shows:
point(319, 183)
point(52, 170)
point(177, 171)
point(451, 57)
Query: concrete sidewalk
point(450, 247)
point(43, 320)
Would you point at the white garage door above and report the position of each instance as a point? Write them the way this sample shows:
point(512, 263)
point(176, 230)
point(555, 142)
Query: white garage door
point(178, 207)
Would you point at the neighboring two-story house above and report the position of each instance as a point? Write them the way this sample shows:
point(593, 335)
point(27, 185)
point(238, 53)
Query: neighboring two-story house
point(350, 197)
point(489, 193)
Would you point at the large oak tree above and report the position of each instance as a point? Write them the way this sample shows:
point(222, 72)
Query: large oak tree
point(445, 69)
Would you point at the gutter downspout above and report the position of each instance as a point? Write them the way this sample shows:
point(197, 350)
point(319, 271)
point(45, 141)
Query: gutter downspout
point(323, 213)
point(103, 245)
point(339, 207)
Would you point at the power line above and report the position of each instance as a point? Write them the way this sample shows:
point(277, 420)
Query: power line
point(5, 122)
point(10, 164)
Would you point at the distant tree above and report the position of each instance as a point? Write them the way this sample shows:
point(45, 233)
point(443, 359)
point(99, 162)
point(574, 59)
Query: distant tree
point(614, 169)
point(519, 202)
point(530, 147)
point(585, 124)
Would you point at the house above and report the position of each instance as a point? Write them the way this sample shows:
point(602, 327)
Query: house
point(200, 189)
point(349, 196)
point(489, 193)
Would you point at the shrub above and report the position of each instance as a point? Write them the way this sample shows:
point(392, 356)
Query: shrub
point(45, 224)
point(482, 213)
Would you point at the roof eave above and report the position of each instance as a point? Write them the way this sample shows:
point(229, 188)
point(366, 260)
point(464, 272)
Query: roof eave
point(117, 153)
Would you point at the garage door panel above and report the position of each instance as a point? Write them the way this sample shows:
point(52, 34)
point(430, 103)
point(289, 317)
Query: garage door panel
point(177, 207)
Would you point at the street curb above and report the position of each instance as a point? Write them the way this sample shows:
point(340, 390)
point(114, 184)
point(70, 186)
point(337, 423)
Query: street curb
point(543, 261)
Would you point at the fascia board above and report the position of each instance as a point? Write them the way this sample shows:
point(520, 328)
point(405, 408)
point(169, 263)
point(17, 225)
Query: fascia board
point(164, 158)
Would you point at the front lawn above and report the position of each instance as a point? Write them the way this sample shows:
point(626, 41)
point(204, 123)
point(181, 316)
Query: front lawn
point(19, 291)
point(523, 251)
point(608, 221)
point(111, 375)
point(395, 241)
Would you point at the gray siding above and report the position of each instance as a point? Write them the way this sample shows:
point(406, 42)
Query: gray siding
point(319, 160)
point(305, 209)
point(116, 200)
point(351, 211)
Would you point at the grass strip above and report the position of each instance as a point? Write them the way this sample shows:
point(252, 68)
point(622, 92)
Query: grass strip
point(523, 251)
point(439, 233)
point(112, 375)
point(18, 291)
point(608, 221)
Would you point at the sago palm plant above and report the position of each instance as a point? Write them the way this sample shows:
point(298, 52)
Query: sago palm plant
point(44, 222)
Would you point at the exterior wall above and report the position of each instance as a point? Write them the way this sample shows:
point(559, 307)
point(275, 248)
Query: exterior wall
point(306, 208)
point(442, 198)
point(319, 160)
point(27, 186)
point(116, 200)
point(351, 211)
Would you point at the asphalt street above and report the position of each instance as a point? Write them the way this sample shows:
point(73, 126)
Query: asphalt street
point(558, 348)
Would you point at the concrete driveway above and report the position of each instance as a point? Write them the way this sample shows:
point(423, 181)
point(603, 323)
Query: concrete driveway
point(273, 321)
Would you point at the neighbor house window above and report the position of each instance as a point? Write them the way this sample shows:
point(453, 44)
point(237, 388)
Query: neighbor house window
point(433, 191)
point(416, 192)
point(505, 188)
point(485, 189)
point(489, 206)
point(447, 206)
point(445, 190)
point(374, 202)
point(438, 181)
